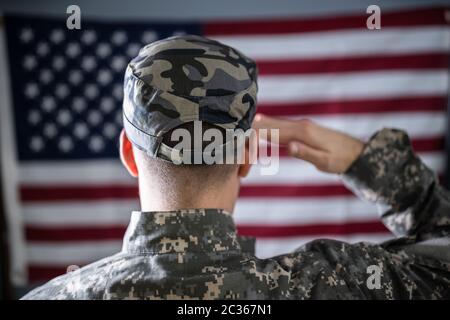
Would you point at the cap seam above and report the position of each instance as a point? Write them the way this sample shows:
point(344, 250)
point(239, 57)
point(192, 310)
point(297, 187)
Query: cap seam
point(129, 121)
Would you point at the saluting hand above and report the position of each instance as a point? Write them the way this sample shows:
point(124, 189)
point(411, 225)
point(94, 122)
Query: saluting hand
point(327, 149)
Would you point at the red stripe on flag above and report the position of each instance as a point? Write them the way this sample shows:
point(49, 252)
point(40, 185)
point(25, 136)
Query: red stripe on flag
point(41, 273)
point(73, 192)
point(291, 191)
point(347, 228)
point(430, 144)
point(314, 66)
point(83, 233)
point(413, 17)
point(366, 106)
point(95, 233)
point(297, 191)
point(86, 193)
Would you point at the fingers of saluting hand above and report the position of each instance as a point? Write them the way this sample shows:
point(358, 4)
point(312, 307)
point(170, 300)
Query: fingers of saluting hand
point(288, 129)
point(329, 150)
point(305, 152)
point(303, 130)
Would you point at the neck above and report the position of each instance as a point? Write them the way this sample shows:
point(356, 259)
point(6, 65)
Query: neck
point(155, 198)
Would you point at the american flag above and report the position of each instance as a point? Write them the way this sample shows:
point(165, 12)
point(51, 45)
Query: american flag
point(74, 196)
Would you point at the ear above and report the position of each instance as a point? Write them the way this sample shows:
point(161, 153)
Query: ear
point(127, 155)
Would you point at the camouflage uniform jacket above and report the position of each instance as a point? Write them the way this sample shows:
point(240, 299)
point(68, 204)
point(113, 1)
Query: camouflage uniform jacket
point(196, 254)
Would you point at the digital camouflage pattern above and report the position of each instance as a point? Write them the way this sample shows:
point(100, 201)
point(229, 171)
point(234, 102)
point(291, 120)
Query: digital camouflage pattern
point(183, 79)
point(196, 254)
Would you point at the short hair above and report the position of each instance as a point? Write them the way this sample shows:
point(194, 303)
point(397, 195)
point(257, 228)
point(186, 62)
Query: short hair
point(196, 176)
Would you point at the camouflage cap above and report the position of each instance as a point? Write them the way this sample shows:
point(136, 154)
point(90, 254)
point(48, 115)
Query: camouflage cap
point(183, 79)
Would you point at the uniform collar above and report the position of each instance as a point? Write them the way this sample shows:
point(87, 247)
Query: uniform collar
point(191, 230)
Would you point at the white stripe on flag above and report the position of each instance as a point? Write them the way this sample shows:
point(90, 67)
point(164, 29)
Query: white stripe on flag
point(342, 43)
point(89, 172)
point(79, 213)
point(269, 247)
point(351, 85)
point(65, 254)
point(294, 172)
point(303, 211)
point(416, 124)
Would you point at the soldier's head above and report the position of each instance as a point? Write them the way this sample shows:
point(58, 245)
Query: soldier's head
point(184, 96)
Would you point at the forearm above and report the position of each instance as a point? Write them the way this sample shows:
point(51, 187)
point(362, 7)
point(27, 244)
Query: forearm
point(389, 173)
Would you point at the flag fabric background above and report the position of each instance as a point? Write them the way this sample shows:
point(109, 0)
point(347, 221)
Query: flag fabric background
point(74, 196)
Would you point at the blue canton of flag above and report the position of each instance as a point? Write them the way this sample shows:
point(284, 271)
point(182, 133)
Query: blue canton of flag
point(68, 84)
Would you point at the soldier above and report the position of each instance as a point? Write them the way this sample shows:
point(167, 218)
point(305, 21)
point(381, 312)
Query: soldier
point(183, 244)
